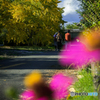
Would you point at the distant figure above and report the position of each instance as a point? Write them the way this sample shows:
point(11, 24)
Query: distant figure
point(55, 40)
point(67, 38)
point(59, 39)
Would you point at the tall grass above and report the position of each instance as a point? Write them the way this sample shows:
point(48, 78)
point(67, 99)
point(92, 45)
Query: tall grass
point(30, 47)
point(85, 84)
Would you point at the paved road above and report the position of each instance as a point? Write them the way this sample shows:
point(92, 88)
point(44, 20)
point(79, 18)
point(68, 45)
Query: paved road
point(43, 60)
point(13, 71)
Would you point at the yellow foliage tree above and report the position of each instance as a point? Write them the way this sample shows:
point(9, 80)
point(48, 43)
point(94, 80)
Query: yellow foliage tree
point(32, 21)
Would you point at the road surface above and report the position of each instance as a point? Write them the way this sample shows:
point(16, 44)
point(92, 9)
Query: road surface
point(13, 71)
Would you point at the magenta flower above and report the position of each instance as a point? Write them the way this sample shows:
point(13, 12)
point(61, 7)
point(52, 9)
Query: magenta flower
point(76, 53)
point(30, 95)
point(59, 84)
point(27, 95)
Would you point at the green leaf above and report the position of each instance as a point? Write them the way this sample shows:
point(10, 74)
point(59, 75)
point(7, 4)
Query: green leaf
point(98, 22)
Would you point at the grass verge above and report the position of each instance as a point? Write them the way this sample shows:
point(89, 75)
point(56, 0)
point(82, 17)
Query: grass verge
point(2, 58)
point(29, 47)
point(83, 85)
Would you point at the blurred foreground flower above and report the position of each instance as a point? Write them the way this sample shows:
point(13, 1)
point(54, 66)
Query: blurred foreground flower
point(91, 38)
point(27, 95)
point(32, 79)
point(39, 90)
point(83, 52)
point(59, 84)
point(36, 87)
point(30, 95)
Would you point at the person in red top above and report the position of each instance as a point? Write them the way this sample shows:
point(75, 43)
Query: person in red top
point(67, 37)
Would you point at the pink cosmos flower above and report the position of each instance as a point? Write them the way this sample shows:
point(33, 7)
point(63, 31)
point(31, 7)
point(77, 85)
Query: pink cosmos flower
point(76, 53)
point(59, 85)
point(30, 95)
point(27, 95)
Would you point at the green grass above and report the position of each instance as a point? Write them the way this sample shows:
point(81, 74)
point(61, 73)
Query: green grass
point(31, 47)
point(2, 58)
point(85, 84)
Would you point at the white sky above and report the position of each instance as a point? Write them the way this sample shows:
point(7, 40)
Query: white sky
point(70, 6)
point(70, 14)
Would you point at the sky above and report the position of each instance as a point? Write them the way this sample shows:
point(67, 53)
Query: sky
point(70, 15)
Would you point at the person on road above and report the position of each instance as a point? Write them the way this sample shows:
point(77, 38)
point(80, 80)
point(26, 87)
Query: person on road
point(67, 38)
point(59, 39)
point(55, 40)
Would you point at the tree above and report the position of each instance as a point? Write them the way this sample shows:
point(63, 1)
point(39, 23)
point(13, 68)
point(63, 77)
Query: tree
point(72, 26)
point(90, 13)
point(5, 15)
point(32, 21)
